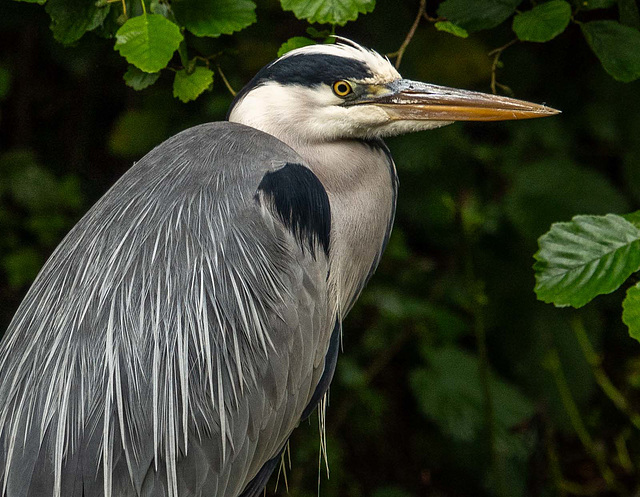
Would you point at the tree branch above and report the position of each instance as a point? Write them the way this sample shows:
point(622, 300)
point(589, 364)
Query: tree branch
point(398, 55)
point(226, 82)
point(496, 53)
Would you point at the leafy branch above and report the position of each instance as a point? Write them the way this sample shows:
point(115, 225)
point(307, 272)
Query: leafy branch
point(149, 40)
point(576, 262)
point(587, 257)
point(544, 22)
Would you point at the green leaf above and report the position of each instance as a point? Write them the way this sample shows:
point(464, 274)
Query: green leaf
point(139, 80)
point(39, 2)
point(631, 311)
point(293, 43)
point(70, 19)
point(617, 47)
point(319, 34)
point(586, 257)
point(214, 18)
point(188, 87)
point(328, 11)
point(479, 14)
point(450, 393)
point(148, 41)
point(449, 27)
point(544, 22)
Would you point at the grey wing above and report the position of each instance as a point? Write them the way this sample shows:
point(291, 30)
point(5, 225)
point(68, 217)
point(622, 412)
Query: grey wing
point(175, 337)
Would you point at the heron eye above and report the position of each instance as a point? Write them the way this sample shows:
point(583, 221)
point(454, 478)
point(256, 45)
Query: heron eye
point(342, 88)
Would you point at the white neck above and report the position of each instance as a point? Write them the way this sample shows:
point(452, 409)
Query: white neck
point(359, 180)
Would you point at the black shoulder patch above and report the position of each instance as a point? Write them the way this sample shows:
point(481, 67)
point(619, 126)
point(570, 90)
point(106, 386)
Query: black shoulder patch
point(302, 204)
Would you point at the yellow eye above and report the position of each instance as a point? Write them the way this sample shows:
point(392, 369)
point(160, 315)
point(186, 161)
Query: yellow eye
point(342, 88)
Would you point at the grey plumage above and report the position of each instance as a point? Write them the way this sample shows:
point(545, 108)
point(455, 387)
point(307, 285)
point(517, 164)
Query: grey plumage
point(192, 318)
point(133, 382)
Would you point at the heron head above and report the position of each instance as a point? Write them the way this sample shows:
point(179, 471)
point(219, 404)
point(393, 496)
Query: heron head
point(342, 90)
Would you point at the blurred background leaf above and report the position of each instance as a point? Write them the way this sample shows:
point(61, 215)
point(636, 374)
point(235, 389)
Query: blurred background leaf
point(478, 15)
point(450, 393)
point(606, 38)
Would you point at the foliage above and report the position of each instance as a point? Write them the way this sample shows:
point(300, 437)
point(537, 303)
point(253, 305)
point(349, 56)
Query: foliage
point(605, 38)
point(205, 18)
point(449, 27)
point(454, 380)
point(631, 311)
point(148, 41)
point(70, 19)
point(547, 20)
point(590, 256)
point(586, 257)
point(479, 15)
point(188, 87)
point(138, 79)
point(449, 392)
point(293, 43)
point(544, 22)
point(328, 11)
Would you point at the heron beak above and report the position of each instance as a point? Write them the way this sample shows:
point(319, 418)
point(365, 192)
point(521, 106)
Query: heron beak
point(412, 100)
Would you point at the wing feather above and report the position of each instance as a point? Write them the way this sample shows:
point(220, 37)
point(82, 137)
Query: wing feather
point(170, 344)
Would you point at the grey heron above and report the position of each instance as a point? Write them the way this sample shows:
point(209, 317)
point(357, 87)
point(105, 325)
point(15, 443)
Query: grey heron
point(191, 319)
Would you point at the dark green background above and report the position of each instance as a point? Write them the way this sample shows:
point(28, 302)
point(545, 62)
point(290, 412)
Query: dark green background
point(407, 412)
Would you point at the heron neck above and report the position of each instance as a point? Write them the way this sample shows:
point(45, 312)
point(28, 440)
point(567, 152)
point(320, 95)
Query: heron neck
point(359, 178)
